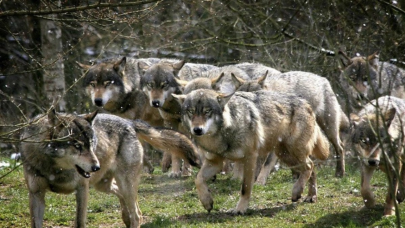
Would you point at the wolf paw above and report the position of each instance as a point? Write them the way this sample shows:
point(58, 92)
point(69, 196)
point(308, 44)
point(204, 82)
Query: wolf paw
point(174, 174)
point(311, 199)
point(186, 172)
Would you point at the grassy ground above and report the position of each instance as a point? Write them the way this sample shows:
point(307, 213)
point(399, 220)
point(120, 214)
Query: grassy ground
point(167, 202)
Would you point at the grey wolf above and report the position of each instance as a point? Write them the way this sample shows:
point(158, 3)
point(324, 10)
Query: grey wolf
point(319, 94)
point(244, 126)
point(114, 86)
point(257, 70)
point(66, 153)
point(159, 82)
point(367, 78)
point(219, 79)
point(378, 136)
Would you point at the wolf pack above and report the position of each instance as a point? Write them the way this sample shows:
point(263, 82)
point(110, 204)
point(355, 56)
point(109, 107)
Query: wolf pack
point(246, 116)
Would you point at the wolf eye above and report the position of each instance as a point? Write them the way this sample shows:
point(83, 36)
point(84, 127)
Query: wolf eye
point(107, 83)
point(207, 112)
point(165, 85)
point(78, 146)
point(92, 84)
point(149, 86)
point(190, 112)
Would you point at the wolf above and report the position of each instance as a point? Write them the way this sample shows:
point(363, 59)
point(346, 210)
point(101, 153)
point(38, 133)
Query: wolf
point(367, 78)
point(114, 86)
point(244, 126)
point(257, 70)
point(319, 94)
point(378, 136)
point(65, 153)
point(159, 82)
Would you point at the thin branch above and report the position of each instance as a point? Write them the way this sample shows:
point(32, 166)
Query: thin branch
point(75, 9)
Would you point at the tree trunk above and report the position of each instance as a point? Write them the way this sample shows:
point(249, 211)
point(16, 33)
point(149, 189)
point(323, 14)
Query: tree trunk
point(52, 53)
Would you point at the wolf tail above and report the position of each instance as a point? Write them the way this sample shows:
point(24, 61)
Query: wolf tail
point(321, 149)
point(169, 141)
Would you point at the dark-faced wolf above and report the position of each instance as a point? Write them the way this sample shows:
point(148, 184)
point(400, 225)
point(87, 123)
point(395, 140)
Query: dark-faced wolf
point(114, 86)
point(319, 94)
point(378, 137)
point(159, 82)
point(65, 153)
point(244, 126)
point(367, 78)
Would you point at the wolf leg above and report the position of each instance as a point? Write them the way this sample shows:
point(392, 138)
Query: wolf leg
point(249, 169)
point(305, 174)
point(312, 196)
point(166, 162)
point(36, 199)
point(268, 166)
point(128, 182)
point(237, 171)
point(208, 170)
point(82, 194)
point(366, 193)
point(330, 124)
point(389, 208)
point(401, 184)
point(176, 164)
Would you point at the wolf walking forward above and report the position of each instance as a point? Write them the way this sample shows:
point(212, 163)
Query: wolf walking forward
point(159, 82)
point(64, 153)
point(367, 78)
point(378, 136)
point(114, 86)
point(319, 94)
point(243, 126)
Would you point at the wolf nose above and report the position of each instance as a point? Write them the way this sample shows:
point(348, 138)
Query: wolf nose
point(156, 103)
point(95, 168)
point(198, 130)
point(98, 102)
point(373, 162)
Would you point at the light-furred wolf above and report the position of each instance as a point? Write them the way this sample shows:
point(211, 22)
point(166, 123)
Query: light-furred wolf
point(243, 126)
point(60, 152)
point(318, 92)
point(378, 136)
point(159, 82)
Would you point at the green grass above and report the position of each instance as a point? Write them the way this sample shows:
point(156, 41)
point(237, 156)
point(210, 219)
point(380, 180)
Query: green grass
point(167, 202)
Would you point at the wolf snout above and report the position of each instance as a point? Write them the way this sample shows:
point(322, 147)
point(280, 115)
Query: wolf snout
point(156, 103)
point(98, 102)
point(373, 162)
point(198, 130)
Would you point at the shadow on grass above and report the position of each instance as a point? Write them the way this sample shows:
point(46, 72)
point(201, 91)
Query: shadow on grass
point(351, 218)
point(215, 217)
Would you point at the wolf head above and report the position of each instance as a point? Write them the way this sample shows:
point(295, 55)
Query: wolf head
point(202, 110)
point(105, 81)
point(250, 85)
point(368, 131)
point(159, 81)
point(71, 142)
point(360, 71)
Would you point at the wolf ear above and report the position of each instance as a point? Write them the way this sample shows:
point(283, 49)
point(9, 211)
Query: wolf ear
point(389, 116)
point(142, 66)
point(223, 99)
point(262, 79)
point(90, 117)
point(181, 83)
point(53, 117)
point(83, 66)
point(373, 59)
point(119, 66)
point(177, 67)
point(215, 81)
point(179, 98)
point(344, 59)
